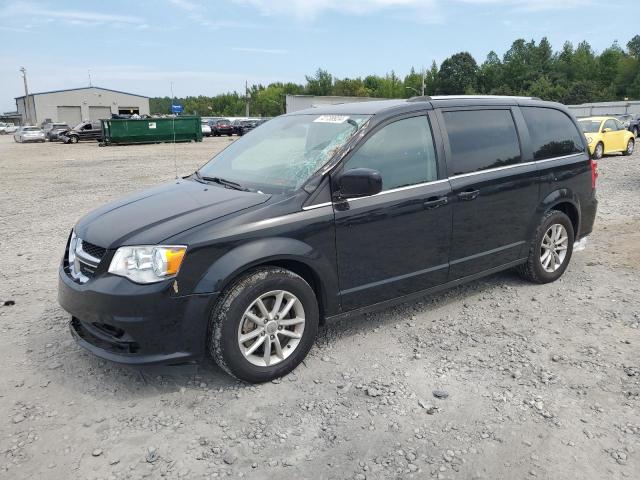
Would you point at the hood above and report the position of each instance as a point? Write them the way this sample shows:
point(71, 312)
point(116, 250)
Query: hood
point(150, 216)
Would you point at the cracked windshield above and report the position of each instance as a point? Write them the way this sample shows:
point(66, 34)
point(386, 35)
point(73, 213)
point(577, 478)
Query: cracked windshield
point(283, 153)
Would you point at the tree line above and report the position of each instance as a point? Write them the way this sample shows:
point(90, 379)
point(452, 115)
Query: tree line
point(572, 75)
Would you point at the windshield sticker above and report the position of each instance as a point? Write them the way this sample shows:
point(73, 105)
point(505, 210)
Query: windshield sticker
point(331, 119)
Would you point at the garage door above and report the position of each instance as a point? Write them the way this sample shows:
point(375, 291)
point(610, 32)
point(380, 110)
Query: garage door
point(69, 115)
point(98, 113)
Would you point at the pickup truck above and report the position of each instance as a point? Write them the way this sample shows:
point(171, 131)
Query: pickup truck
point(7, 127)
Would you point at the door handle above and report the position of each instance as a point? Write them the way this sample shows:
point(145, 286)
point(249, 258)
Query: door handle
point(469, 195)
point(435, 202)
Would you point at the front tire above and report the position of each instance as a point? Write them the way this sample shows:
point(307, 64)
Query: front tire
point(550, 249)
point(73, 139)
point(630, 146)
point(598, 151)
point(263, 325)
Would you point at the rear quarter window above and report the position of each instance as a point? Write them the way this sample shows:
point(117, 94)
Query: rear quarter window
point(552, 133)
point(480, 140)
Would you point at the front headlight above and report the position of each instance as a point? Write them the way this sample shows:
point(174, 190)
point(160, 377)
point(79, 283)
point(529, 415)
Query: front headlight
point(148, 263)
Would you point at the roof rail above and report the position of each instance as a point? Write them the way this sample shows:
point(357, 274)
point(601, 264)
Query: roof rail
point(420, 98)
point(426, 98)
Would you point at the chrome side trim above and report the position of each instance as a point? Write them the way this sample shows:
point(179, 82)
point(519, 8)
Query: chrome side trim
point(561, 158)
point(401, 189)
point(507, 167)
point(489, 170)
point(317, 205)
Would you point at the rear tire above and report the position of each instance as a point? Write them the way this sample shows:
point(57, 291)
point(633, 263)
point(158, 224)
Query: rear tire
point(539, 268)
point(630, 146)
point(635, 132)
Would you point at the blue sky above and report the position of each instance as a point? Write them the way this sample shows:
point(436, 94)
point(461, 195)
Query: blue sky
point(211, 47)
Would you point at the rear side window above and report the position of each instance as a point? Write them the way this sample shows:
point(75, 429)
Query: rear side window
point(402, 152)
point(552, 133)
point(481, 139)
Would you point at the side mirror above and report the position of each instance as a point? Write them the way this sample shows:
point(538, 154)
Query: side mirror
point(606, 130)
point(359, 182)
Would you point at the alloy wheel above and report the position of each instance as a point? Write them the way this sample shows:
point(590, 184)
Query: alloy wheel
point(553, 250)
point(271, 328)
point(630, 146)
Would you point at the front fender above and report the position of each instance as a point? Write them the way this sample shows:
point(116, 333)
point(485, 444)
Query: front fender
point(273, 250)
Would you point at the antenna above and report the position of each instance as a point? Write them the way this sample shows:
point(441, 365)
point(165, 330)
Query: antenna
point(173, 126)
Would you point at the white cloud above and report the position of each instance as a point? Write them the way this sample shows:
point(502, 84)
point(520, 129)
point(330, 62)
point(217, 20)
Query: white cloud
point(185, 5)
point(273, 51)
point(426, 11)
point(76, 16)
point(308, 10)
point(197, 14)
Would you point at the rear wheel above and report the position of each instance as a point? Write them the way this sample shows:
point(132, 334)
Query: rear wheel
point(635, 132)
point(550, 250)
point(263, 325)
point(598, 151)
point(630, 146)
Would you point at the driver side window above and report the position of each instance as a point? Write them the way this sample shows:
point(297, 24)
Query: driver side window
point(609, 124)
point(402, 152)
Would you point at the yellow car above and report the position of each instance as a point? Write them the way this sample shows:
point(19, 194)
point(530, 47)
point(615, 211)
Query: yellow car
point(606, 135)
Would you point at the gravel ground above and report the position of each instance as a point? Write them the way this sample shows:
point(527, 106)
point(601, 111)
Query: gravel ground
point(495, 379)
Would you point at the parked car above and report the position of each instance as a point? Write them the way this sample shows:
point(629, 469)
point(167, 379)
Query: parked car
point(28, 133)
point(241, 127)
point(206, 129)
point(323, 214)
point(52, 131)
point(221, 127)
point(236, 125)
point(631, 122)
point(82, 131)
point(7, 128)
point(607, 135)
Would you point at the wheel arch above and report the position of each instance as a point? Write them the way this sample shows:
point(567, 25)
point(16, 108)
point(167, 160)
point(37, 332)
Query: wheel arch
point(287, 253)
point(563, 200)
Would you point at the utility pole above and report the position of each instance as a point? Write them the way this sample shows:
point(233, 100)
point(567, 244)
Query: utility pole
point(26, 96)
point(89, 73)
point(246, 99)
point(423, 74)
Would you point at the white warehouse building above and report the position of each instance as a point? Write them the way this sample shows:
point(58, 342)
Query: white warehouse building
point(75, 105)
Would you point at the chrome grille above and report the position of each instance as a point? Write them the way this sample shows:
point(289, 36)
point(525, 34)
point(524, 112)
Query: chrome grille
point(93, 250)
point(83, 259)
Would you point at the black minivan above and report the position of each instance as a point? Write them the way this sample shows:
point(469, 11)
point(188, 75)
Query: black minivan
point(322, 214)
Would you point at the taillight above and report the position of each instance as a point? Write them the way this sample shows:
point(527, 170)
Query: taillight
point(594, 173)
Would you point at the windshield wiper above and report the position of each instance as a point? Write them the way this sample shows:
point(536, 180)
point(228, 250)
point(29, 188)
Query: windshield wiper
point(224, 182)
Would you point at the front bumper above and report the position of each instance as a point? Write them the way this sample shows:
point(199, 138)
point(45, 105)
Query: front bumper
point(124, 322)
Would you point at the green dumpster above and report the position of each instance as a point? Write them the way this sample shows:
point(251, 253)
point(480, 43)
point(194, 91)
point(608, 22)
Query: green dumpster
point(151, 130)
